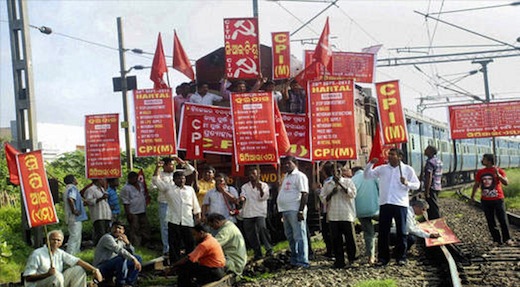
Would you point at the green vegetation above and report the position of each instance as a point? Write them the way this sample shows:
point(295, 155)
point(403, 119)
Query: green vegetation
point(377, 283)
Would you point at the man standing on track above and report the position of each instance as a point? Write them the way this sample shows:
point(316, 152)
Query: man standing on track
point(432, 181)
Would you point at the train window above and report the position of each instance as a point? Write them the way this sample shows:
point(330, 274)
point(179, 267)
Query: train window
point(413, 143)
point(444, 147)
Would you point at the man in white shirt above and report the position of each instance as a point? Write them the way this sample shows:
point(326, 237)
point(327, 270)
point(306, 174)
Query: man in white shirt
point(182, 207)
point(396, 179)
point(254, 196)
point(292, 203)
point(204, 97)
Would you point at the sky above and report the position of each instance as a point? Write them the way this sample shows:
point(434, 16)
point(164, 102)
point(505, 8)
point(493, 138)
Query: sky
point(73, 78)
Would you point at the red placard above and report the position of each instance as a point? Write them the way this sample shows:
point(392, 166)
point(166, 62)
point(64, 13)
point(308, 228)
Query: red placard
point(485, 120)
point(391, 115)
point(39, 205)
point(102, 154)
point(242, 48)
point(253, 128)
point(154, 122)
point(348, 65)
point(195, 145)
point(332, 126)
point(438, 226)
point(216, 129)
point(297, 127)
point(281, 55)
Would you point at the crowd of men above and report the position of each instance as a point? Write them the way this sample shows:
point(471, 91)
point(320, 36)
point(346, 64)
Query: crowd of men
point(199, 222)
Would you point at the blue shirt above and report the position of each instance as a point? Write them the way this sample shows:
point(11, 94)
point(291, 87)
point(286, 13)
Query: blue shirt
point(434, 166)
point(113, 200)
point(71, 191)
point(367, 196)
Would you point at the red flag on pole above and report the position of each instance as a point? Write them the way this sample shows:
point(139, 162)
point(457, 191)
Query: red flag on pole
point(141, 179)
point(310, 73)
point(323, 52)
point(181, 62)
point(379, 150)
point(10, 157)
point(281, 134)
point(159, 66)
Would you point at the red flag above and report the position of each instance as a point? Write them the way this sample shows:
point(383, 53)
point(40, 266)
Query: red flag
point(379, 150)
point(159, 66)
point(181, 62)
point(10, 157)
point(310, 73)
point(323, 52)
point(140, 178)
point(281, 134)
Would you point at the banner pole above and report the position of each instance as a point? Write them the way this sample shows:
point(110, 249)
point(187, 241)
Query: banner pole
point(48, 245)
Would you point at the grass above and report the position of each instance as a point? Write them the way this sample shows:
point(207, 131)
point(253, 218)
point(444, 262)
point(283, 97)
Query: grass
point(377, 283)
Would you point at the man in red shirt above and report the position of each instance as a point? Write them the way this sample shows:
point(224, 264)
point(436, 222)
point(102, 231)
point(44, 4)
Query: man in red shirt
point(205, 263)
point(490, 180)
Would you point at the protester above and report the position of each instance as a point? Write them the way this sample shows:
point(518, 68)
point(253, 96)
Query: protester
point(204, 264)
point(231, 240)
point(292, 203)
point(432, 181)
point(134, 200)
point(296, 99)
point(325, 228)
point(367, 209)
point(183, 96)
point(113, 198)
point(204, 97)
point(75, 213)
point(490, 180)
point(183, 207)
point(254, 195)
point(339, 193)
point(205, 184)
point(416, 208)
point(223, 199)
point(346, 172)
point(115, 257)
point(100, 212)
point(396, 179)
point(41, 271)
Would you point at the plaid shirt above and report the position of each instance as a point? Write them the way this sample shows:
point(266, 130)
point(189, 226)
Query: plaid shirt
point(342, 205)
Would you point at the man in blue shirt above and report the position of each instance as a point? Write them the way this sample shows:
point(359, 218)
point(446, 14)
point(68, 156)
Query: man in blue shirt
point(75, 213)
point(113, 199)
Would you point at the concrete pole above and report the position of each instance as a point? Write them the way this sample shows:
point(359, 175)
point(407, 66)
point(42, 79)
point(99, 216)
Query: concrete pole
point(124, 89)
point(484, 64)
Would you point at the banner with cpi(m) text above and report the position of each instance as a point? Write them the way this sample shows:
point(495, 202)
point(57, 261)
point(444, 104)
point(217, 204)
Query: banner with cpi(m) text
point(485, 120)
point(348, 65)
point(242, 48)
point(103, 159)
point(391, 114)
point(37, 198)
point(281, 55)
point(253, 128)
point(332, 126)
point(211, 123)
point(438, 226)
point(154, 122)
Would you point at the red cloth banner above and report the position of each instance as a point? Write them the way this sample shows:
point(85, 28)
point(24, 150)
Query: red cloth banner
point(391, 115)
point(102, 154)
point(253, 128)
point(332, 126)
point(282, 139)
point(10, 158)
point(438, 226)
point(348, 65)
point(195, 145)
point(36, 192)
point(154, 122)
point(181, 62)
point(297, 127)
point(217, 130)
point(323, 52)
point(242, 48)
point(159, 67)
point(485, 120)
point(281, 55)
point(379, 150)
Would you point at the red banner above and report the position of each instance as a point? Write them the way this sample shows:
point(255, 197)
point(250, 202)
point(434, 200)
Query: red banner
point(253, 128)
point(242, 48)
point(281, 55)
point(332, 126)
point(37, 198)
point(102, 154)
point(348, 65)
point(485, 120)
point(391, 115)
point(195, 145)
point(154, 122)
point(215, 128)
point(297, 127)
point(438, 226)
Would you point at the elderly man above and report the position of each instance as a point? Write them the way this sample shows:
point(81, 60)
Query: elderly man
point(231, 240)
point(292, 203)
point(40, 271)
point(114, 256)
